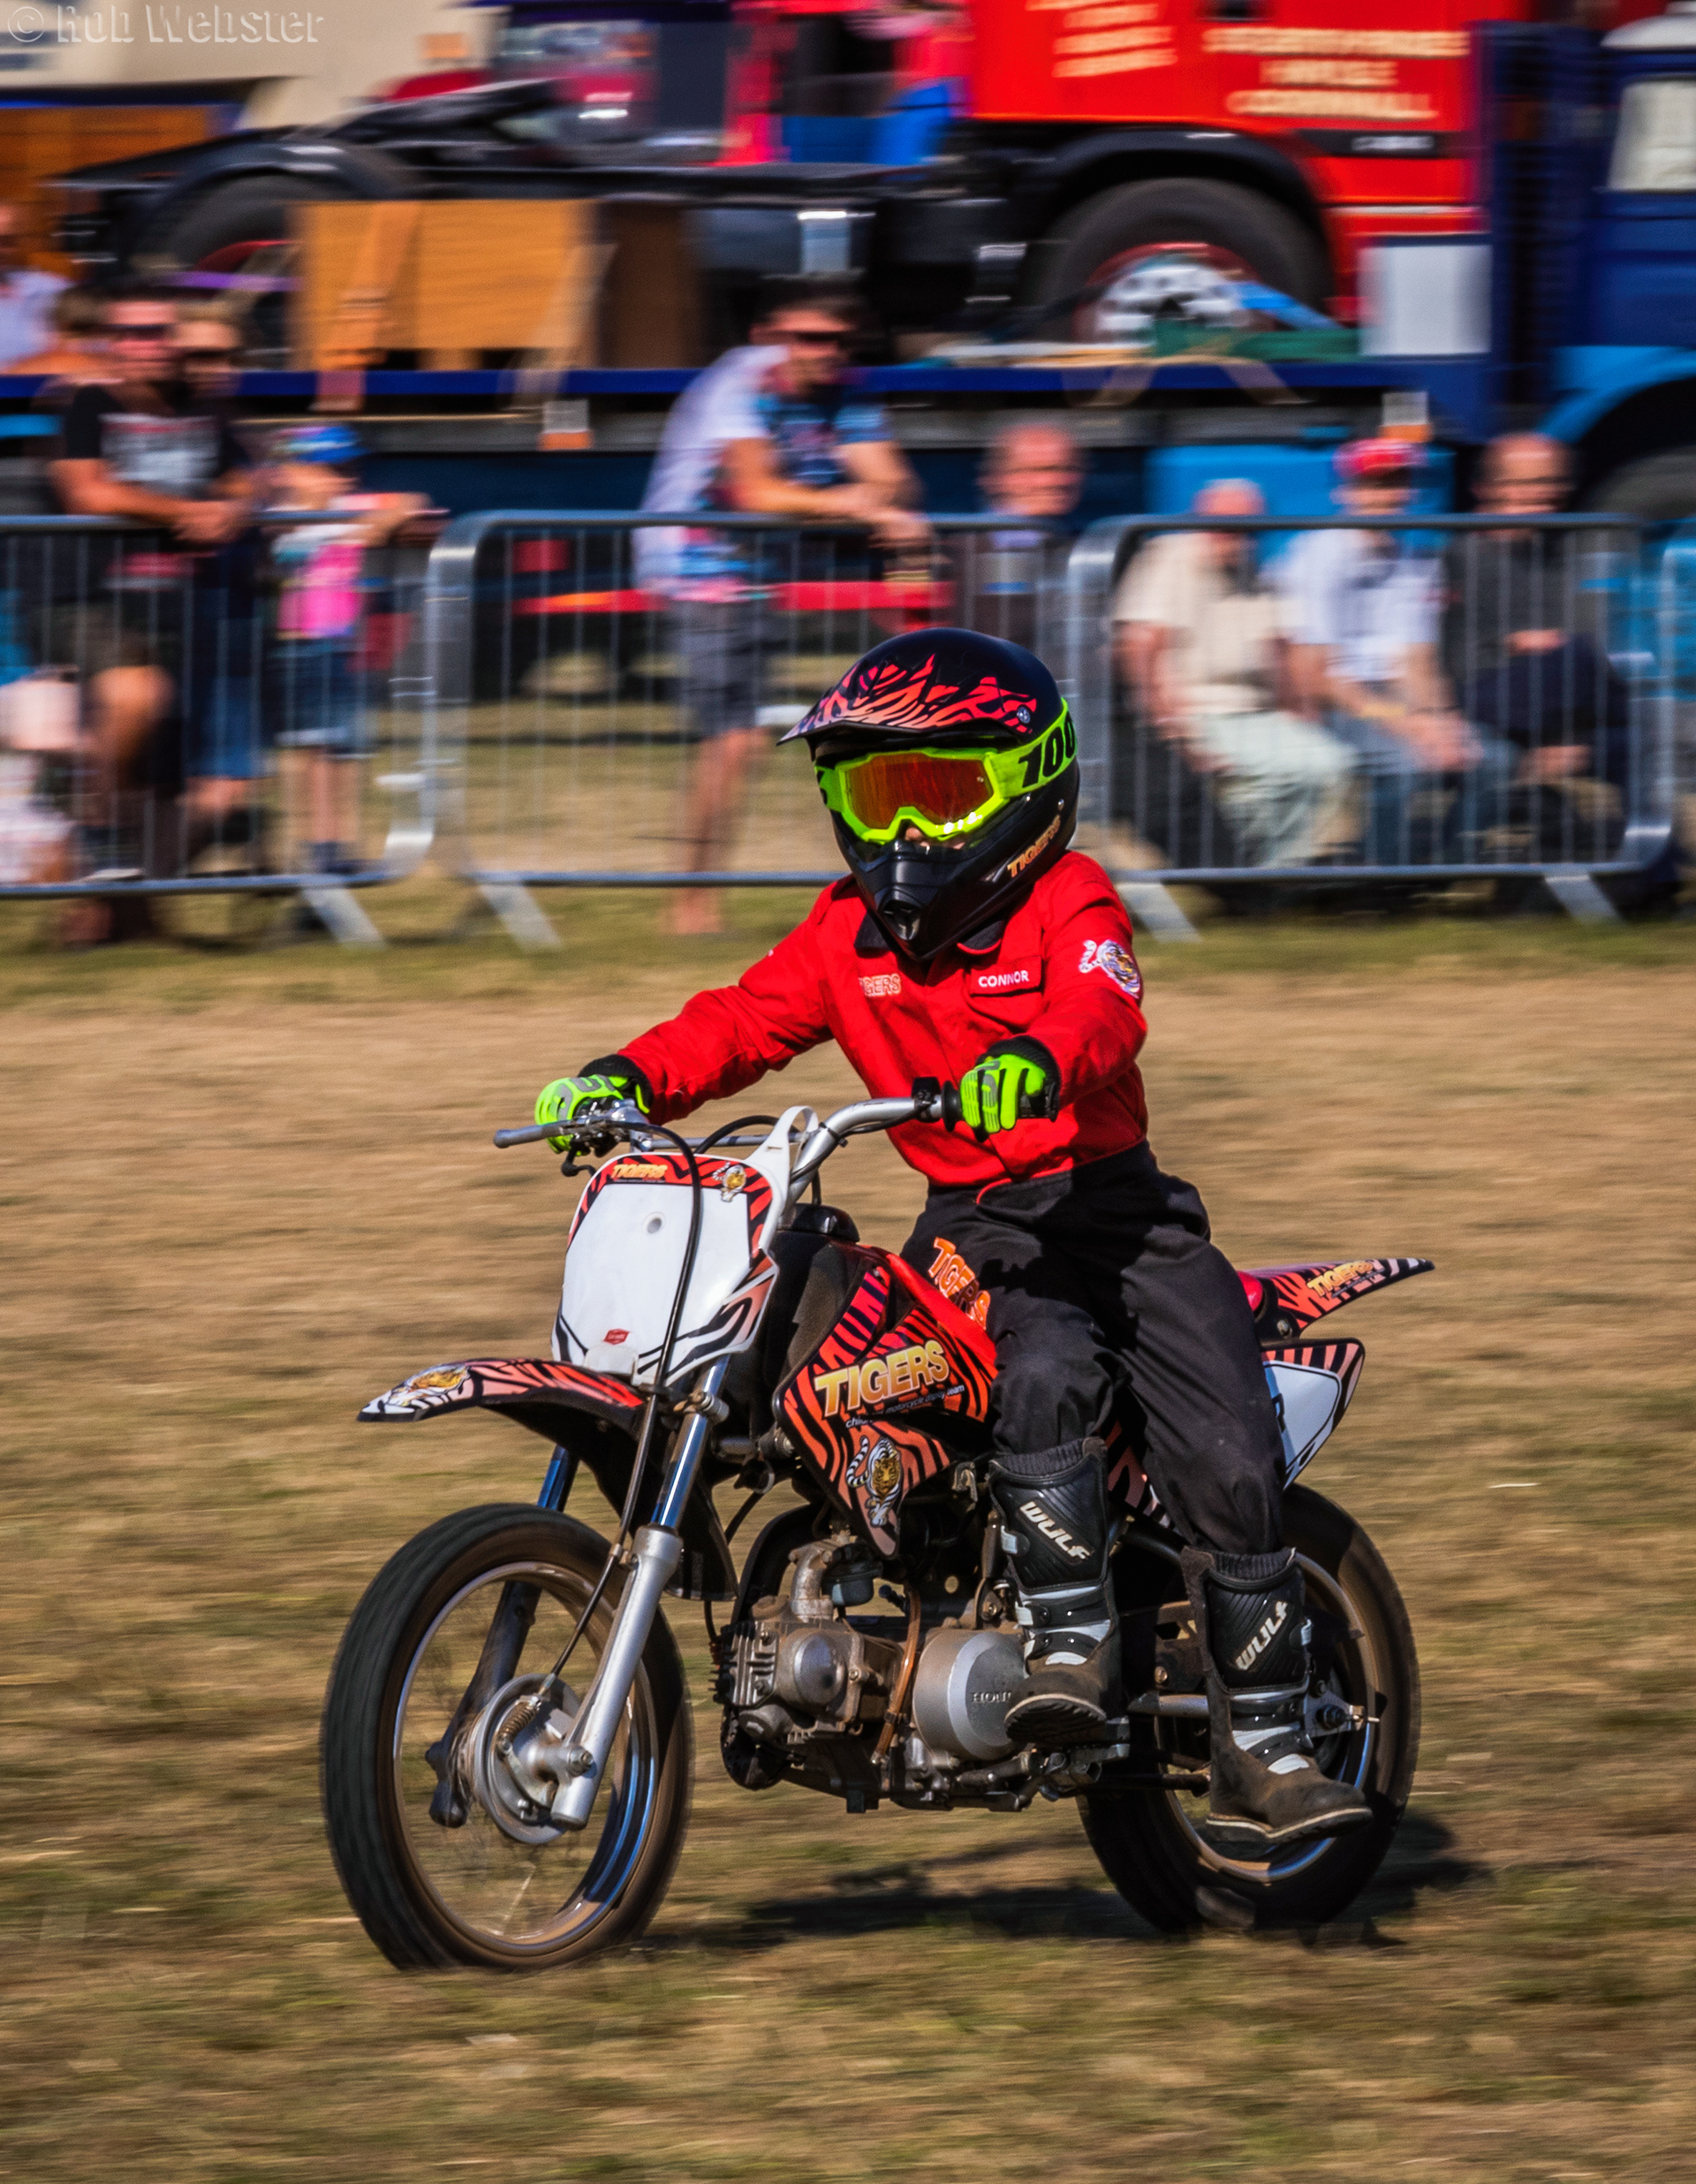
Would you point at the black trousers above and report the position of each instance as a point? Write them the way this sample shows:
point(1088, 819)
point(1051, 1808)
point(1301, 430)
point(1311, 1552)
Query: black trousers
point(1106, 1296)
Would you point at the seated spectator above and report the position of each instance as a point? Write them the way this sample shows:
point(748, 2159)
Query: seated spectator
point(1525, 642)
point(123, 611)
point(1035, 474)
point(311, 689)
point(26, 297)
point(1198, 641)
point(1360, 613)
point(793, 443)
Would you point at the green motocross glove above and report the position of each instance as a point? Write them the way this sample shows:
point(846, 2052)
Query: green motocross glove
point(1009, 1084)
point(566, 1097)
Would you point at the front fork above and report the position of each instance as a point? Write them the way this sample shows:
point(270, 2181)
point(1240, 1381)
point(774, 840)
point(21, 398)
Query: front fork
point(658, 1550)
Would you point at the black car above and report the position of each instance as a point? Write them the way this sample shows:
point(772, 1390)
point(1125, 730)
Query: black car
point(912, 234)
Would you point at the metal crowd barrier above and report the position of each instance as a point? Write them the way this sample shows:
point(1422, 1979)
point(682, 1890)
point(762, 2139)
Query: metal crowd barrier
point(1245, 717)
point(169, 726)
point(566, 700)
point(607, 689)
point(605, 714)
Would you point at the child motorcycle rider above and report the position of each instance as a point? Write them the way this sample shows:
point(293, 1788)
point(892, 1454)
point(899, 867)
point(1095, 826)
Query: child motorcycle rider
point(969, 943)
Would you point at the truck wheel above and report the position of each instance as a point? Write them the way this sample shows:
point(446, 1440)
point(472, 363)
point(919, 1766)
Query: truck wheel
point(1656, 489)
point(244, 228)
point(230, 224)
point(1172, 246)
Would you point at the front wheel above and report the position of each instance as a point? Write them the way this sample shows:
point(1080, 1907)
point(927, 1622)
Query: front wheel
point(441, 1847)
point(1151, 1844)
point(1174, 247)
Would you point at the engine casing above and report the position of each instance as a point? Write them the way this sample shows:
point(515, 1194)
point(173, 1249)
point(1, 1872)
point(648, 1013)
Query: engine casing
point(963, 1686)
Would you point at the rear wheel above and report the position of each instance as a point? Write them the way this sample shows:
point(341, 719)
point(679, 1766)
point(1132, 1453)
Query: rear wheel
point(1151, 1844)
point(1172, 247)
point(442, 1849)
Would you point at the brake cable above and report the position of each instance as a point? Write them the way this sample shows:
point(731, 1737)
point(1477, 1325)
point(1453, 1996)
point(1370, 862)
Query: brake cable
point(645, 1438)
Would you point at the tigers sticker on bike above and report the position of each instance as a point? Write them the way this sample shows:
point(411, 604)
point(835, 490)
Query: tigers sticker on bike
point(898, 1346)
point(877, 1476)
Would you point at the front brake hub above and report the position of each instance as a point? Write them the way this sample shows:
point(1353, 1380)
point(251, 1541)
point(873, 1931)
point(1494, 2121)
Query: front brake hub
point(517, 1746)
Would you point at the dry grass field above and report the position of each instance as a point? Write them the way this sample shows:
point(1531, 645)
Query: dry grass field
point(243, 1192)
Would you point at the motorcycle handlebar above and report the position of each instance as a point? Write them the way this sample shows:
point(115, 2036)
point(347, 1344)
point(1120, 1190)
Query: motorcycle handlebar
point(929, 1101)
point(592, 1120)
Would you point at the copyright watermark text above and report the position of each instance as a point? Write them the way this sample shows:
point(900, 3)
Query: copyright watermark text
point(158, 22)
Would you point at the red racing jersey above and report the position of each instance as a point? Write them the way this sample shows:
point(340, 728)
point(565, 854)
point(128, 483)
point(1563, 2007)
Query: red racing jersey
point(1062, 973)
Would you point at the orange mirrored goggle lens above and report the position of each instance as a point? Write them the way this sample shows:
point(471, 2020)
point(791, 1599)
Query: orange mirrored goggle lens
point(944, 790)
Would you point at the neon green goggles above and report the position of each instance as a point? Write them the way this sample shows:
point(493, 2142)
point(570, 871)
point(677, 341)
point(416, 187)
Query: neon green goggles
point(944, 793)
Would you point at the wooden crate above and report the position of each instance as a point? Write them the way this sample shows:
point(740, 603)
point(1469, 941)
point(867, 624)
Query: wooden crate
point(449, 280)
point(650, 307)
point(568, 282)
point(39, 142)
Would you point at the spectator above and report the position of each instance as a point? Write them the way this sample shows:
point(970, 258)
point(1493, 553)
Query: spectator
point(75, 352)
point(210, 351)
point(38, 743)
point(310, 688)
point(26, 296)
point(1360, 613)
point(1524, 645)
point(712, 411)
point(140, 445)
point(1033, 473)
point(1034, 470)
point(1197, 640)
point(796, 443)
point(224, 754)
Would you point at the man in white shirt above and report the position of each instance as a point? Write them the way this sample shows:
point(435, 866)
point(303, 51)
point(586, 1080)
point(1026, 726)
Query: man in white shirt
point(1361, 612)
point(712, 412)
point(778, 433)
point(1197, 640)
point(26, 296)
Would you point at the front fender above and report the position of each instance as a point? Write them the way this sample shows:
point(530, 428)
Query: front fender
point(531, 1390)
point(540, 1393)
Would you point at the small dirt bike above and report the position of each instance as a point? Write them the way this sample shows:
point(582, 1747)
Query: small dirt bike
point(506, 1735)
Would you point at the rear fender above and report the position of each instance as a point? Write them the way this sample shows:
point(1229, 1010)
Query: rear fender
point(1285, 1300)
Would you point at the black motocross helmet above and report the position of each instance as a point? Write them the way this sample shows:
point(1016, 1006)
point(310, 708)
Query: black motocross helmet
point(949, 764)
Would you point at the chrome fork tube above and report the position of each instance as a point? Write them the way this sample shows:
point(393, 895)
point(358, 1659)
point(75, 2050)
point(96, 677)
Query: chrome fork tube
point(659, 1549)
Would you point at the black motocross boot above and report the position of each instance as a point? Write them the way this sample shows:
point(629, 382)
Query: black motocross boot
point(1268, 1792)
point(1053, 1508)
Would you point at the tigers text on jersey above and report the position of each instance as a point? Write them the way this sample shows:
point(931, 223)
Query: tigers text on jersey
point(1062, 973)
